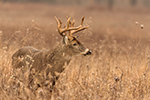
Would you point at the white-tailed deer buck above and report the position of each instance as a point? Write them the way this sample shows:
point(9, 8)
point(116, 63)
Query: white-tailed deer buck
point(51, 62)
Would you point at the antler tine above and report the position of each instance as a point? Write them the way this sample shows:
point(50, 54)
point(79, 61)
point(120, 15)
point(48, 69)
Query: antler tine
point(72, 24)
point(68, 22)
point(82, 21)
point(59, 23)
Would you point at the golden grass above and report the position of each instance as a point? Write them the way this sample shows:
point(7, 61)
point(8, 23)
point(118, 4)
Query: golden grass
point(118, 68)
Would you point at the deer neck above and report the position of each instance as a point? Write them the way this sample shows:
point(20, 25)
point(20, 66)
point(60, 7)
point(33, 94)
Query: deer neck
point(58, 57)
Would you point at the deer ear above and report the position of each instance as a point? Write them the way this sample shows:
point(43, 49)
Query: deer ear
point(65, 40)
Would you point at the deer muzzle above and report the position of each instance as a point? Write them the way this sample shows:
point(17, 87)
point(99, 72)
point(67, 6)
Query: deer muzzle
point(87, 52)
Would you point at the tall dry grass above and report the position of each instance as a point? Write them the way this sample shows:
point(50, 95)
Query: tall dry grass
point(117, 69)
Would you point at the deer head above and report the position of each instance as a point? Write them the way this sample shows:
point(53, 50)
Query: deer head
point(75, 47)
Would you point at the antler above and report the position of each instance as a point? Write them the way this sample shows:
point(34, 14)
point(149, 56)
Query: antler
point(67, 28)
point(70, 26)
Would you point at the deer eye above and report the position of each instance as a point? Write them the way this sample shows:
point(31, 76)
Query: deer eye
point(74, 44)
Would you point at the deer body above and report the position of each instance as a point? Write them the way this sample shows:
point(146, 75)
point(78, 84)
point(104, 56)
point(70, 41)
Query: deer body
point(52, 61)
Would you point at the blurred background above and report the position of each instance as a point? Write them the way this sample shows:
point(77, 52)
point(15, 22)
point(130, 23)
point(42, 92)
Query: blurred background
point(108, 3)
point(119, 20)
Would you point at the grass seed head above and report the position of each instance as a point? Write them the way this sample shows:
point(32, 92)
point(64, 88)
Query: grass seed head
point(136, 23)
point(142, 26)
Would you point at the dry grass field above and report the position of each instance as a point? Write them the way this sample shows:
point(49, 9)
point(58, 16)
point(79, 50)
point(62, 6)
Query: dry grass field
point(118, 69)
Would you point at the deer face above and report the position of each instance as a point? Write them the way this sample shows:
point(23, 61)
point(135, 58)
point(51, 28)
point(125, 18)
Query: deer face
point(75, 47)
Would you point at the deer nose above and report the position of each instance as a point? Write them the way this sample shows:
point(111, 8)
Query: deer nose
point(88, 53)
